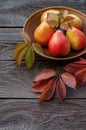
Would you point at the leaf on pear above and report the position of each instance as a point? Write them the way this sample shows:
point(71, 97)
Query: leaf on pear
point(68, 19)
point(65, 13)
point(26, 37)
point(37, 48)
point(69, 80)
point(61, 90)
point(53, 19)
point(21, 55)
point(48, 92)
point(45, 74)
point(30, 57)
point(64, 26)
point(40, 85)
point(81, 77)
point(19, 47)
point(65, 22)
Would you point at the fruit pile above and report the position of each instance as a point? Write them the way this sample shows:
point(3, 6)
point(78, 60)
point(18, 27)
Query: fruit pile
point(60, 31)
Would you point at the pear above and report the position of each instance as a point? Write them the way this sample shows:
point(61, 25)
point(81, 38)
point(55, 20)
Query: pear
point(43, 33)
point(76, 37)
point(76, 22)
point(59, 45)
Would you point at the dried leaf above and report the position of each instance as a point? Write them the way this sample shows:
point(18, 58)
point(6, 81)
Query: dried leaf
point(65, 21)
point(81, 61)
point(68, 19)
point(19, 47)
point(53, 19)
point(37, 48)
point(81, 77)
point(65, 13)
point(47, 81)
point(21, 55)
point(73, 67)
point(69, 80)
point(45, 74)
point(26, 38)
point(64, 26)
point(48, 92)
point(40, 85)
point(30, 57)
point(61, 90)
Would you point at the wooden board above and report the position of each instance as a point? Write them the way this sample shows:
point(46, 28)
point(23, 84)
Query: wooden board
point(30, 115)
point(19, 107)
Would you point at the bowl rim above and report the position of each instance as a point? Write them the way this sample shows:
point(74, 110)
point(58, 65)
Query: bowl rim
point(63, 8)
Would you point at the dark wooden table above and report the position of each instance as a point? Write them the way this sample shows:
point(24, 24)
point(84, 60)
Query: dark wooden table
point(19, 107)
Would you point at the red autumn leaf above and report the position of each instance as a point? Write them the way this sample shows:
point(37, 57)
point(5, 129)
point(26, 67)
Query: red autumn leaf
point(45, 74)
point(61, 90)
point(69, 80)
point(48, 92)
point(40, 85)
point(71, 68)
point(81, 61)
point(75, 66)
point(81, 77)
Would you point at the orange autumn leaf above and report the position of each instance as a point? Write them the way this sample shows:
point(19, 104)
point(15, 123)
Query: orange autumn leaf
point(48, 92)
point(40, 85)
point(19, 47)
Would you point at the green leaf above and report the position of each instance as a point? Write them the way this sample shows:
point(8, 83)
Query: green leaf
point(37, 48)
point(19, 47)
point(21, 55)
point(30, 57)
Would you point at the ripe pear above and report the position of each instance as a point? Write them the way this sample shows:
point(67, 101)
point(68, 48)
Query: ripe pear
point(76, 37)
point(77, 22)
point(43, 33)
point(59, 45)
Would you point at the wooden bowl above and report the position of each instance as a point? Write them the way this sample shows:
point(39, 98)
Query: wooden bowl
point(34, 20)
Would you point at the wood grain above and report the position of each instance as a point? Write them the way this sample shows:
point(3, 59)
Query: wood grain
point(30, 115)
point(19, 107)
point(14, 12)
point(10, 35)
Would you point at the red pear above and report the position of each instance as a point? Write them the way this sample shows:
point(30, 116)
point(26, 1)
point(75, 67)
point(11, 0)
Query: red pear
point(59, 45)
